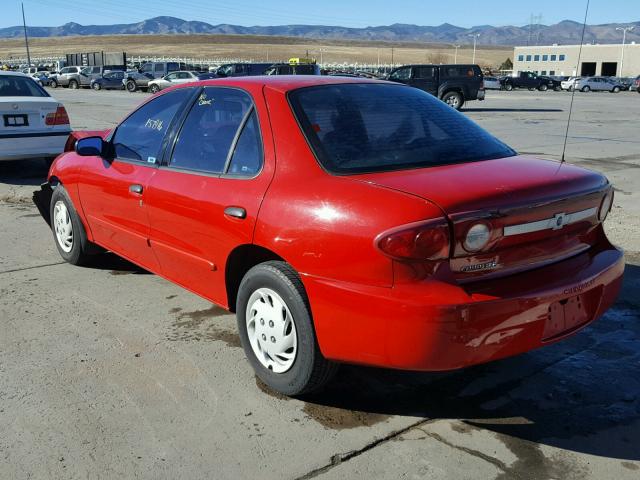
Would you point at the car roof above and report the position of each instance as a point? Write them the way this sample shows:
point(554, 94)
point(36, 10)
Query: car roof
point(282, 83)
point(14, 74)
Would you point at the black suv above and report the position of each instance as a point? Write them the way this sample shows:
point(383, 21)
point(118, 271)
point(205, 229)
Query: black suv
point(242, 69)
point(453, 84)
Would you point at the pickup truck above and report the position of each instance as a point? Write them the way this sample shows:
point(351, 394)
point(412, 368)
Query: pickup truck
point(530, 80)
point(453, 84)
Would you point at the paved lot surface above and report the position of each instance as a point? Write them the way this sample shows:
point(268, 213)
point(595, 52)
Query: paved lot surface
point(111, 372)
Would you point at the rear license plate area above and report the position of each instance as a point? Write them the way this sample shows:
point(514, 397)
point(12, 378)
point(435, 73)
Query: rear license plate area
point(20, 120)
point(565, 316)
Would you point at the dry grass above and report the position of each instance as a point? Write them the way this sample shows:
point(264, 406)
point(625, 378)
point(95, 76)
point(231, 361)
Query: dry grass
point(255, 48)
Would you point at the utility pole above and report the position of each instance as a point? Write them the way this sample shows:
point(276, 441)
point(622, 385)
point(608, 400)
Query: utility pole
point(475, 38)
point(624, 35)
point(26, 39)
point(455, 55)
point(392, 63)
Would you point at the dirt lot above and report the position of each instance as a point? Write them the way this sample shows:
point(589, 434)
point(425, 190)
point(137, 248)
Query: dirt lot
point(111, 372)
point(254, 48)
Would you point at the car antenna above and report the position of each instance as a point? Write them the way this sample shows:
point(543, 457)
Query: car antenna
point(573, 90)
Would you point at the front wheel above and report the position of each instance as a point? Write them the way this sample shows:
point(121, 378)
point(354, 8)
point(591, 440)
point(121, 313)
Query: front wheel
point(615, 89)
point(97, 86)
point(508, 87)
point(73, 84)
point(68, 231)
point(131, 86)
point(277, 332)
point(453, 99)
point(53, 84)
point(154, 88)
point(543, 88)
point(586, 88)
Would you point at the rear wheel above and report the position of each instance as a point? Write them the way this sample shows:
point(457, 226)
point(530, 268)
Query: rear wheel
point(154, 88)
point(453, 99)
point(615, 89)
point(131, 86)
point(53, 84)
point(73, 84)
point(68, 231)
point(277, 332)
point(543, 87)
point(586, 88)
point(508, 87)
point(97, 86)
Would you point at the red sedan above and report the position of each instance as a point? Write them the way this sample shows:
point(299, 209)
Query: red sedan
point(342, 220)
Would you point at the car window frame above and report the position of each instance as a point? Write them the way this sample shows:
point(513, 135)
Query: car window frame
point(175, 134)
point(163, 145)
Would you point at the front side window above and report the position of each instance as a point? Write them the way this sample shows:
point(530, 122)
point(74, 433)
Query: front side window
point(146, 68)
point(171, 76)
point(423, 72)
point(158, 67)
point(208, 133)
point(86, 71)
point(401, 74)
point(354, 128)
point(139, 137)
point(16, 86)
point(64, 70)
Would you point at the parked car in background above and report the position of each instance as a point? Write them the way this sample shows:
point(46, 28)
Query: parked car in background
point(636, 84)
point(42, 78)
point(108, 81)
point(529, 80)
point(139, 80)
point(292, 69)
point(207, 76)
point(598, 84)
point(174, 78)
point(492, 83)
point(453, 84)
point(86, 76)
point(241, 69)
point(569, 84)
point(62, 78)
point(32, 123)
point(472, 254)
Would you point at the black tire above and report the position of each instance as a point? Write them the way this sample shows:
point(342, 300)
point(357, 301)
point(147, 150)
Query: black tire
point(508, 87)
point(81, 249)
point(310, 371)
point(453, 99)
point(154, 88)
point(586, 88)
point(73, 84)
point(615, 90)
point(543, 87)
point(96, 86)
point(131, 86)
point(53, 84)
point(531, 89)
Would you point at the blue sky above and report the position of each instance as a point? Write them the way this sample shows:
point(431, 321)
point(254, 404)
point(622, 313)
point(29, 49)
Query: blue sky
point(354, 13)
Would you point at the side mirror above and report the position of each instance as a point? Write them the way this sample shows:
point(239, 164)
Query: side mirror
point(90, 147)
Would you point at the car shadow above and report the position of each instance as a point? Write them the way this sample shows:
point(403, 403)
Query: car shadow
point(582, 394)
point(116, 264)
point(32, 171)
point(523, 110)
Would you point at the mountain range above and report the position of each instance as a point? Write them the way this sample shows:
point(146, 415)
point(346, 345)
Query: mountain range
point(564, 32)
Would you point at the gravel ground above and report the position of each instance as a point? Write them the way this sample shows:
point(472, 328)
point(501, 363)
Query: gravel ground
point(111, 372)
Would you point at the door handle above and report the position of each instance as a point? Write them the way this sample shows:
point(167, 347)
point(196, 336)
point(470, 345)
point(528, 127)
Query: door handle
point(136, 188)
point(236, 212)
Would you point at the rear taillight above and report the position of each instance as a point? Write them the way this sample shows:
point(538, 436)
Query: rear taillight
point(59, 117)
point(420, 241)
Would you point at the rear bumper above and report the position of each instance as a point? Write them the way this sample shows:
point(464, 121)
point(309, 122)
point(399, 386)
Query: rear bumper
point(32, 145)
point(435, 326)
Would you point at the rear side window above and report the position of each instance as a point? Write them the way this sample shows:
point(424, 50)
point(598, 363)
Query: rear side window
point(423, 72)
point(140, 136)
point(209, 131)
point(246, 159)
point(16, 86)
point(158, 67)
point(356, 128)
point(453, 71)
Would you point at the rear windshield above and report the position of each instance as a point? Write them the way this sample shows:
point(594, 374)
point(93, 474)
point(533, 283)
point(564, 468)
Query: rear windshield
point(15, 86)
point(356, 128)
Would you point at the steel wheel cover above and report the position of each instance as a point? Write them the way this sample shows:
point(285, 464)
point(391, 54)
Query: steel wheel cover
point(63, 227)
point(271, 330)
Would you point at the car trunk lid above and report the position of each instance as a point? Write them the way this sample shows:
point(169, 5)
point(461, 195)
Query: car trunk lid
point(538, 211)
point(25, 114)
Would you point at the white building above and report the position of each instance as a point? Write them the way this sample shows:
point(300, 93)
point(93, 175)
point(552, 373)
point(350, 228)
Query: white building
point(606, 60)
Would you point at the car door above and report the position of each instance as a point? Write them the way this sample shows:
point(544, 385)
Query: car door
point(204, 199)
point(425, 78)
point(112, 190)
